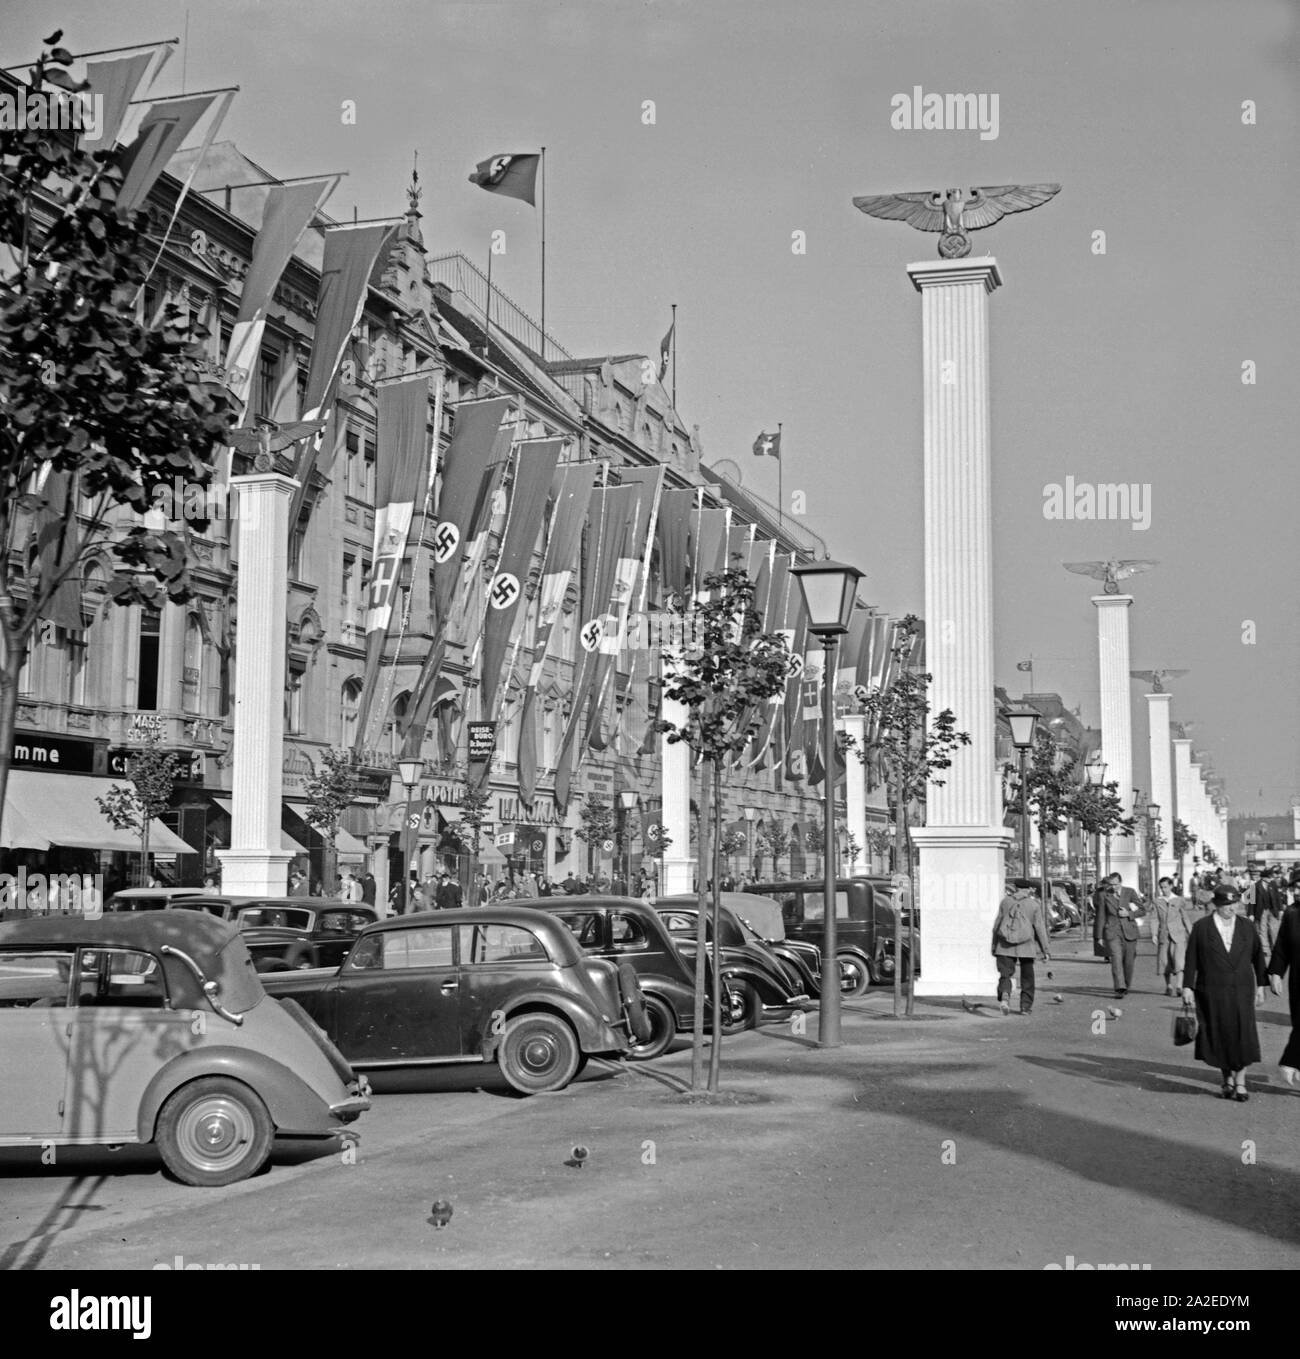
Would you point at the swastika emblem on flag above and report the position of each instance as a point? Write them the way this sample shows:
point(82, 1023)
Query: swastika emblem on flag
point(446, 539)
point(505, 590)
point(861, 692)
point(591, 634)
point(796, 665)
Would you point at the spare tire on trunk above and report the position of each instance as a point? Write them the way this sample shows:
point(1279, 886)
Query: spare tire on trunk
point(629, 986)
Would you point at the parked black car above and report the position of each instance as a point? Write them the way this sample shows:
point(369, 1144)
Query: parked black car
point(626, 930)
point(864, 925)
point(761, 918)
point(498, 984)
point(768, 987)
point(283, 935)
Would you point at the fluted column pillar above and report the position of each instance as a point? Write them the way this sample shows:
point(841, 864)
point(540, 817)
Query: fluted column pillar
point(675, 816)
point(1162, 789)
point(1117, 721)
point(255, 865)
point(1183, 794)
point(963, 844)
point(855, 790)
point(1198, 807)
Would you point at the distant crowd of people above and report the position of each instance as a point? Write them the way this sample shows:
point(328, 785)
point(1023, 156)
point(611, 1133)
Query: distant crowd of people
point(443, 892)
point(1220, 943)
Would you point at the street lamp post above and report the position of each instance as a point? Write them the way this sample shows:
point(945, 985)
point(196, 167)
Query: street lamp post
point(1024, 726)
point(828, 589)
point(1095, 769)
point(410, 772)
point(1153, 846)
point(628, 798)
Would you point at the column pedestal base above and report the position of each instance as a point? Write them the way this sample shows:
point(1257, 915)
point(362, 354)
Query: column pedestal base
point(1125, 861)
point(254, 872)
point(960, 882)
point(678, 876)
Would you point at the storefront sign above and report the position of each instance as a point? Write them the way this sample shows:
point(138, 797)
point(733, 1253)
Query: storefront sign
point(190, 767)
point(540, 813)
point(482, 741)
point(58, 754)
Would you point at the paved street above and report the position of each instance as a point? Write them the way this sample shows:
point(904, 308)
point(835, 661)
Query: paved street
point(1107, 1147)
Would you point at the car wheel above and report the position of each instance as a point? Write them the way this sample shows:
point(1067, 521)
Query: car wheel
point(855, 974)
point(663, 1029)
point(741, 1007)
point(538, 1052)
point(214, 1131)
point(634, 1003)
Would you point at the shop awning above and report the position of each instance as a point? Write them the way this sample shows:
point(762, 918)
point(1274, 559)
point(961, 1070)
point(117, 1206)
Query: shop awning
point(490, 856)
point(287, 842)
point(60, 809)
point(345, 843)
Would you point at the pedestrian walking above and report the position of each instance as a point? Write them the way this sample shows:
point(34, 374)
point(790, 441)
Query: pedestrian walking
point(1019, 935)
point(570, 886)
point(447, 895)
point(1120, 908)
point(544, 888)
point(1225, 978)
point(368, 889)
point(1173, 926)
point(1270, 902)
point(1286, 963)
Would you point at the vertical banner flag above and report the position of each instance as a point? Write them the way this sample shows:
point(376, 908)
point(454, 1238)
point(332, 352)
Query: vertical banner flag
point(350, 255)
point(608, 525)
point(792, 715)
point(533, 477)
point(673, 533)
point(402, 422)
point(574, 485)
point(480, 440)
point(709, 547)
point(162, 130)
point(777, 619)
point(114, 83)
point(286, 215)
point(761, 556)
point(58, 544)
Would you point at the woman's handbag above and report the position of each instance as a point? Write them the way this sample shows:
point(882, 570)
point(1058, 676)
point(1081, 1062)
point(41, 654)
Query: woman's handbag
point(1185, 1027)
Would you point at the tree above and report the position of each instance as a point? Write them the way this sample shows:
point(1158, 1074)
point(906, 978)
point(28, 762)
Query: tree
point(98, 410)
point(153, 776)
point(776, 840)
point(468, 833)
point(331, 788)
point(850, 848)
point(723, 675)
point(597, 817)
point(1184, 840)
point(910, 754)
point(1052, 782)
point(734, 841)
point(1100, 812)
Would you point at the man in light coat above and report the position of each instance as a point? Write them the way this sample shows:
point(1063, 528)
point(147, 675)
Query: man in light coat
point(1174, 921)
point(1019, 936)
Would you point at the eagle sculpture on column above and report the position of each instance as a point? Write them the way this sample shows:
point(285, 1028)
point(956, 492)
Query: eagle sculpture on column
point(956, 211)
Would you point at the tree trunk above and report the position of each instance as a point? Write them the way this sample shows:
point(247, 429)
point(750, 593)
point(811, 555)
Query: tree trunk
point(8, 714)
point(701, 948)
point(911, 918)
point(715, 1052)
point(329, 865)
point(900, 831)
point(145, 819)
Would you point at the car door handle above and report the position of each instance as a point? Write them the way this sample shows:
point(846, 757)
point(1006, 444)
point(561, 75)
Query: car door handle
point(449, 986)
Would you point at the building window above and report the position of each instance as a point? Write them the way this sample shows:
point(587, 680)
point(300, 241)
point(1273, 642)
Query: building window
point(75, 645)
point(348, 585)
point(302, 388)
point(351, 473)
point(351, 700)
point(367, 491)
point(568, 631)
point(94, 601)
point(550, 736)
point(393, 729)
point(146, 695)
point(268, 377)
point(296, 540)
point(293, 700)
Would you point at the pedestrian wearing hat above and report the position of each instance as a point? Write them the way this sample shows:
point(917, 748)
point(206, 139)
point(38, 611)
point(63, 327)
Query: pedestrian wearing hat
point(1225, 978)
point(1019, 936)
point(1173, 925)
point(1285, 962)
point(1270, 902)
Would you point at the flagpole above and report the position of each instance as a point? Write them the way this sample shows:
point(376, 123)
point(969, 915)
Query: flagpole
point(674, 357)
point(780, 481)
point(543, 170)
point(102, 52)
point(487, 330)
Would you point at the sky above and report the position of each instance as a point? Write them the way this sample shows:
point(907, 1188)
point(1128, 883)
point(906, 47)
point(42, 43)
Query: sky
point(768, 118)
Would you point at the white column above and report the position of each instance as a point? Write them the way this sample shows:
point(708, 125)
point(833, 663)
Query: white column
point(1183, 794)
point(675, 762)
point(855, 790)
point(1197, 804)
point(963, 845)
point(1117, 721)
point(1162, 790)
point(255, 865)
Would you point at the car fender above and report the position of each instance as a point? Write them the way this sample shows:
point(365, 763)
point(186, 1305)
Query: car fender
point(769, 991)
point(680, 999)
point(295, 1108)
point(593, 1034)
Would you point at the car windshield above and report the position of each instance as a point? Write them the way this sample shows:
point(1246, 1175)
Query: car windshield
point(258, 917)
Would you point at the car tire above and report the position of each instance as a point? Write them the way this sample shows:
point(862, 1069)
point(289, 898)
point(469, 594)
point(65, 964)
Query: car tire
point(855, 974)
point(663, 1029)
point(213, 1132)
point(538, 1053)
point(744, 1011)
point(634, 1003)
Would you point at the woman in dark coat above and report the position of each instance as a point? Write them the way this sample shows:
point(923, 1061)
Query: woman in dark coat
point(1226, 982)
point(1286, 958)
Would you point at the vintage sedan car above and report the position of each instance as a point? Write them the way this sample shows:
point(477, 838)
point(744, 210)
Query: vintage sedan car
point(283, 933)
point(626, 930)
point(767, 986)
point(762, 921)
point(154, 1028)
point(864, 925)
point(149, 898)
point(499, 984)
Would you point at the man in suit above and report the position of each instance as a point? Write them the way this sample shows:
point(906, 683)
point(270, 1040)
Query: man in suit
point(1270, 902)
point(1174, 920)
point(447, 897)
point(1120, 909)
